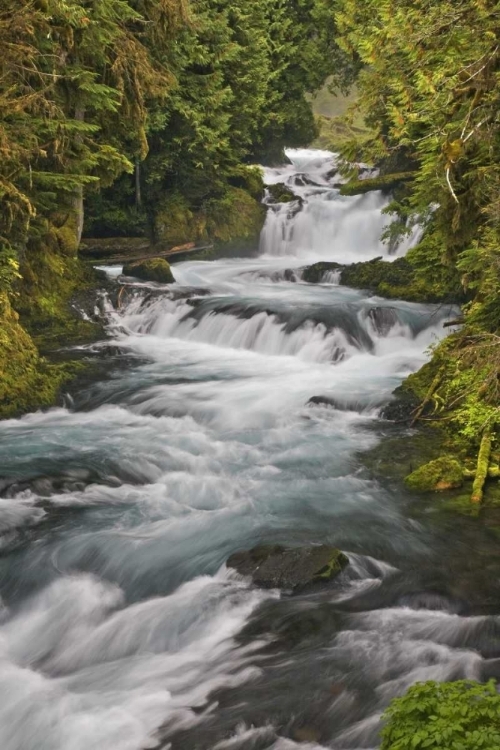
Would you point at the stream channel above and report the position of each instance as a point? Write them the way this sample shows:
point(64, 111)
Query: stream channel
point(121, 628)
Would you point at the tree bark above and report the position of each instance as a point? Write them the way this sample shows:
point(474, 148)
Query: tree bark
point(138, 195)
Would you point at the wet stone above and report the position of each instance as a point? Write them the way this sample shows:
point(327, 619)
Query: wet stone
point(292, 568)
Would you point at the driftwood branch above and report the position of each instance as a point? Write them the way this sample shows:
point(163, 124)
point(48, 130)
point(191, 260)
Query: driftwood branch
point(432, 389)
point(457, 322)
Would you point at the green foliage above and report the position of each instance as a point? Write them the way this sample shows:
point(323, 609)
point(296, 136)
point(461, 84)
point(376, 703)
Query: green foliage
point(449, 716)
point(253, 62)
point(151, 113)
point(430, 88)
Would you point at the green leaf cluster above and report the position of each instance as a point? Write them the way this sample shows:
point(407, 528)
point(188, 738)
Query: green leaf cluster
point(429, 85)
point(448, 716)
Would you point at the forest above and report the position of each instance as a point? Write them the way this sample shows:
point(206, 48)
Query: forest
point(150, 121)
point(137, 118)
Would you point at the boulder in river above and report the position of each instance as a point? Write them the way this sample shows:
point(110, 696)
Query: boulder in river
point(444, 473)
point(152, 269)
point(281, 193)
point(314, 274)
point(293, 568)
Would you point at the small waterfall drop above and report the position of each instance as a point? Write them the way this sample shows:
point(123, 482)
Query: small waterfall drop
point(322, 224)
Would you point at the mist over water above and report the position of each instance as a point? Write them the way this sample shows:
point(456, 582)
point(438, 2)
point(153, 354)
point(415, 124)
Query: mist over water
point(120, 627)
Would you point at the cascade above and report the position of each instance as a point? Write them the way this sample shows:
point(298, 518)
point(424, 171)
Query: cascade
point(233, 414)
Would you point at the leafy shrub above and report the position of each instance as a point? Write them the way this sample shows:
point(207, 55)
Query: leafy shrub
point(448, 716)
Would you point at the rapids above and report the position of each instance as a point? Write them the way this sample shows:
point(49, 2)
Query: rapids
point(120, 626)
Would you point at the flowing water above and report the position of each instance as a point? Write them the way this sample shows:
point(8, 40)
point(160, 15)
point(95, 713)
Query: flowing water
point(121, 627)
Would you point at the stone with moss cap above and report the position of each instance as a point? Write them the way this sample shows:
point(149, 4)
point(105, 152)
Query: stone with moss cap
point(442, 474)
point(281, 193)
point(274, 566)
point(152, 269)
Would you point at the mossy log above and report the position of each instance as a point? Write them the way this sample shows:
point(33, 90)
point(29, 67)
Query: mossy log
point(483, 461)
point(386, 183)
point(493, 473)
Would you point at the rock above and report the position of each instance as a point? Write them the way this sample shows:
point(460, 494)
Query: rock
point(292, 568)
point(437, 476)
point(314, 274)
point(323, 401)
point(307, 734)
point(152, 269)
point(402, 408)
point(280, 193)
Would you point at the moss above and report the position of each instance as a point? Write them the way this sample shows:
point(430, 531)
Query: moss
point(335, 565)
point(385, 182)
point(442, 474)
point(27, 381)
point(314, 274)
point(235, 216)
point(483, 462)
point(43, 319)
point(153, 269)
point(280, 193)
point(176, 223)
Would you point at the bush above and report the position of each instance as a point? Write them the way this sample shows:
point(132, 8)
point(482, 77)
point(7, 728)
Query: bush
point(449, 716)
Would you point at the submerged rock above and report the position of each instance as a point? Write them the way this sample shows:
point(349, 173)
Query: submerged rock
point(437, 476)
point(152, 269)
point(293, 568)
point(314, 274)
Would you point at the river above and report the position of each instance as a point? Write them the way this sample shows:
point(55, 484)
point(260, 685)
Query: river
point(121, 627)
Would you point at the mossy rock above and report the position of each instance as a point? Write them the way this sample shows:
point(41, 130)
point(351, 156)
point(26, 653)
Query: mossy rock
point(27, 381)
point(314, 274)
point(234, 216)
point(289, 568)
point(152, 269)
point(442, 474)
point(280, 193)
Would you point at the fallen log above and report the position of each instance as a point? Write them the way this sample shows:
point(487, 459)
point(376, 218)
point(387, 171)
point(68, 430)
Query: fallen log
point(483, 462)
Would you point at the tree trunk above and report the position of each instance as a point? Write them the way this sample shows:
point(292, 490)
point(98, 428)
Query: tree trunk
point(138, 196)
point(78, 199)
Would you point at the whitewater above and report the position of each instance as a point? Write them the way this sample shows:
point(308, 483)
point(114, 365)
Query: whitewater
point(121, 628)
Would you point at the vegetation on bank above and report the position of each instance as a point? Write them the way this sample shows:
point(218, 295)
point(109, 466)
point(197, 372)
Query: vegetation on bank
point(138, 118)
point(429, 86)
point(457, 716)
